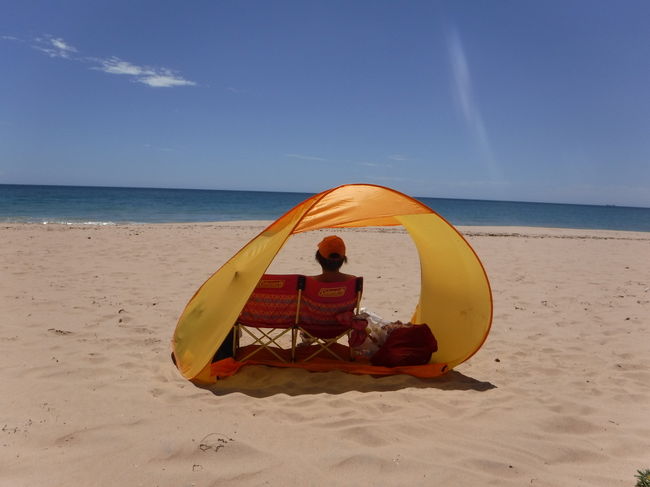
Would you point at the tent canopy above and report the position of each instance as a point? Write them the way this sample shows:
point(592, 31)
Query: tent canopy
point(455, 297)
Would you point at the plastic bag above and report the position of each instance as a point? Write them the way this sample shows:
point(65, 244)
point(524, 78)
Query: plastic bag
point(378, 330)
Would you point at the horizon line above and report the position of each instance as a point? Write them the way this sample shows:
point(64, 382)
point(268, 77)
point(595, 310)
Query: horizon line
point(310, 193)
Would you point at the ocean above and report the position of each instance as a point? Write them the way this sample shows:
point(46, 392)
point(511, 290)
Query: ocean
point(107, 206)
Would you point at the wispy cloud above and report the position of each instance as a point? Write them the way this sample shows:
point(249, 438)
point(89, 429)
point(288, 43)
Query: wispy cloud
point(155, 77)
point(54, 47)
point(304, 157)
point(117, 66)
point(462, 88)
point(477, 184)
point(374, 164)
point(398, 157)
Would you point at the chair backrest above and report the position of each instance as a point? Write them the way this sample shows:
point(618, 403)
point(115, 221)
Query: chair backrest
point(322, 301)
point(274, 302)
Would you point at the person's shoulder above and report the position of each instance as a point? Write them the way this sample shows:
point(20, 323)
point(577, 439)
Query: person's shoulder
point(345, 277)
point(340, 277)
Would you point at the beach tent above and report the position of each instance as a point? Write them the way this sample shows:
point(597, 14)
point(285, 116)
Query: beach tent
point(455, 298)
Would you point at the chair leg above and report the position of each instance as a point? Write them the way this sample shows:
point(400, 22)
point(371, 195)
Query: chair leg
point(264, 341)
point(235, 340)
point(350, 354)
point(324, 345)
point(325, 348)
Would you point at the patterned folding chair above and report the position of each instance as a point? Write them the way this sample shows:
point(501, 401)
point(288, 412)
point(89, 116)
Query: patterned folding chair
point(323, 306)
point(270, 313)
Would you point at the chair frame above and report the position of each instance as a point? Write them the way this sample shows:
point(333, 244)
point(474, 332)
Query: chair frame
point(325, 344)
point(264, 336)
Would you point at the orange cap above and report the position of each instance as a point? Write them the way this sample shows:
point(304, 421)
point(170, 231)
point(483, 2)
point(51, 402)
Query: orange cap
point(331, 245)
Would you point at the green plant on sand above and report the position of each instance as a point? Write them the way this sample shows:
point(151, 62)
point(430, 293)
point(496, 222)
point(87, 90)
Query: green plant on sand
point(643, 477)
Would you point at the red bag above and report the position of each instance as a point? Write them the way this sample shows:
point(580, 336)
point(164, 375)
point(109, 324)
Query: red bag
point(409, 345)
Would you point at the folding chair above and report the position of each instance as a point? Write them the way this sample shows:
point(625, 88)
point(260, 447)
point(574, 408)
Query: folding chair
point(320, 305)
point(270, 313)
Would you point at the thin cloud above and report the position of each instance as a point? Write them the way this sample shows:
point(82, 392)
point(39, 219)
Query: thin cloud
point(375, 164)
point(478, 184)
point(462, 88)
point(304, 157)
point(164, 79)
point(398, 157)
point(54, 47)
point(155, 77)
point(117, 66)
point(10, 38)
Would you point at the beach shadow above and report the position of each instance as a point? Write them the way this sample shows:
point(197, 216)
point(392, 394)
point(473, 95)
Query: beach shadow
point(261, 382)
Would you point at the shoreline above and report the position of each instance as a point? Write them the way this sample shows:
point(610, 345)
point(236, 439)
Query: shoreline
point(473, 230)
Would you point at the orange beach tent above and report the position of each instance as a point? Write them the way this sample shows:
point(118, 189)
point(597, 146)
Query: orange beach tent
point(455, 297)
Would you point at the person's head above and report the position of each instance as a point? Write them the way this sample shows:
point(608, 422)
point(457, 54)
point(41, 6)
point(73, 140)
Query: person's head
point(331, 253)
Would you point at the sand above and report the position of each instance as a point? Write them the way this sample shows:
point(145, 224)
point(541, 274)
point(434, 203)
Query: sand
point(559, 395)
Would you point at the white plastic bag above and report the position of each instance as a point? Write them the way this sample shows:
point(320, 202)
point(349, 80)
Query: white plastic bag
point(377, 333)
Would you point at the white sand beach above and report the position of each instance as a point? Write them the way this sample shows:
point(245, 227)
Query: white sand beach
point(558, 396)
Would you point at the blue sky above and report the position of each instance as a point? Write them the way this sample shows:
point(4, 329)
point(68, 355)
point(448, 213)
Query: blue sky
point(508, 100)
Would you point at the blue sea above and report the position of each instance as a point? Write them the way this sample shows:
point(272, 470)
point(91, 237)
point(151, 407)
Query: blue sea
point(106, 206)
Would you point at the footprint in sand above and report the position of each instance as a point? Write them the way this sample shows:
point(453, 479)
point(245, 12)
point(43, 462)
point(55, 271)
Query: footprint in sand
point(570, 425)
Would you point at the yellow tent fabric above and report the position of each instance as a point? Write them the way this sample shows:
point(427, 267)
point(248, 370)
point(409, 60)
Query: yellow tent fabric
point(455, 297)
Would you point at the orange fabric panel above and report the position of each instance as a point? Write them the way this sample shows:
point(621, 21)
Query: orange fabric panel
point(358, 205)
point(227, 367)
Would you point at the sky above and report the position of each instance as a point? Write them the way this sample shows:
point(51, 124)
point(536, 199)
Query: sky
point(516, 100)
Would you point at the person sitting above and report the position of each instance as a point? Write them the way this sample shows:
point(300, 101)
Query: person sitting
point(331, 256)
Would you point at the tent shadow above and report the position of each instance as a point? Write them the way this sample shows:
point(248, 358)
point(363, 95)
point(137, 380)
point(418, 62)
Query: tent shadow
point(261, 382)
